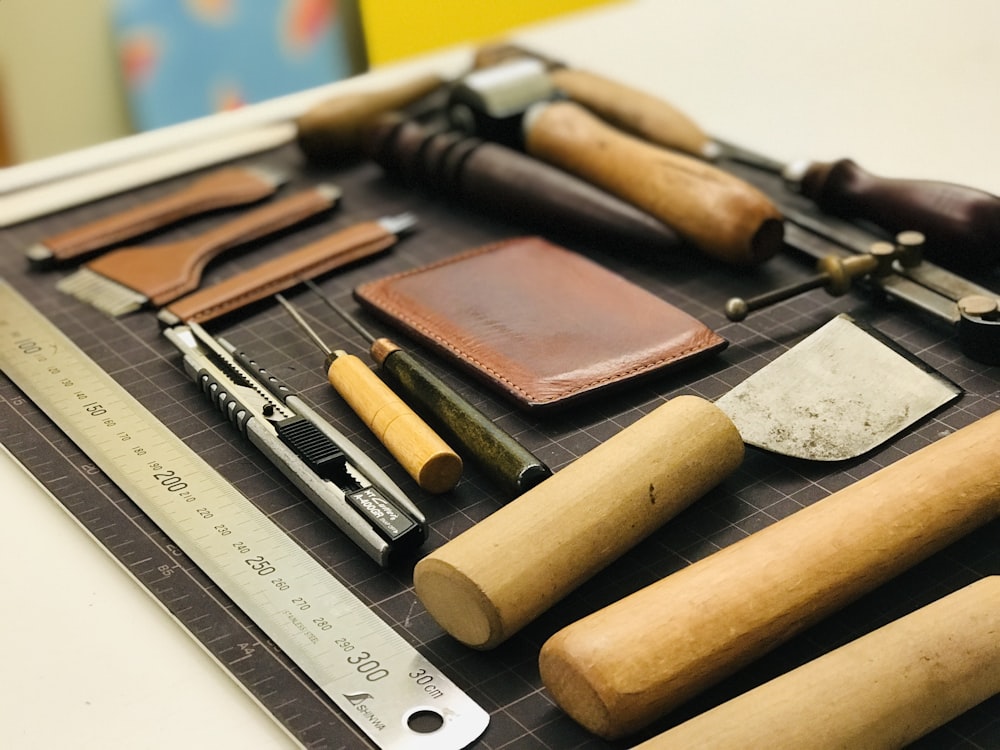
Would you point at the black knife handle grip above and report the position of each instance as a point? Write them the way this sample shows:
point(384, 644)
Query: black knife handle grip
point(961, 224)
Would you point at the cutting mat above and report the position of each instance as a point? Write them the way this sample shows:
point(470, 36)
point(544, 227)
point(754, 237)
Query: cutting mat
point(504, 681)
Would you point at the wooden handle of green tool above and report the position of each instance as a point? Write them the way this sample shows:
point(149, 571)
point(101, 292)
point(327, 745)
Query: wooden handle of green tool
point(496, 577)
point(883, 690)
point(424, 455)
point(725, 217)
point(630, 663)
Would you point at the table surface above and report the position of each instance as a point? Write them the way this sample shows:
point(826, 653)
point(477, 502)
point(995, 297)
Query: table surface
point(91, 660)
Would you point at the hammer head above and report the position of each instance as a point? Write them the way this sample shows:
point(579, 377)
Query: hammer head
point(491, 102)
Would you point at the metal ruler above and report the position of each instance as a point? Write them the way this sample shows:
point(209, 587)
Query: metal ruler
point(382, 684)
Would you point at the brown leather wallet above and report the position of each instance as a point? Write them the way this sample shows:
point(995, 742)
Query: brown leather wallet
point(542, 324)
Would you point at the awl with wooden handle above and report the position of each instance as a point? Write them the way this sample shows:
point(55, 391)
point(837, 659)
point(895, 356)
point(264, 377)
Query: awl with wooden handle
point(624, 666)
point(425, 456)
point(881, 691)
point(717, 212)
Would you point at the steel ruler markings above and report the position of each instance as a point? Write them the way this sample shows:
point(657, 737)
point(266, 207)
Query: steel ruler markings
point(228, 635)
point(393, 694)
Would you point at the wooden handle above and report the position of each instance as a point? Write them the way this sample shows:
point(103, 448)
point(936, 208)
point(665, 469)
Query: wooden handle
point(630, 663)
point(884, 690)
point(424, 455)
point(496, 577)
point(333, 132)
point(961, 224)
point(630, 109)
point(227, 187)
point(634, 111)
point(717, 212)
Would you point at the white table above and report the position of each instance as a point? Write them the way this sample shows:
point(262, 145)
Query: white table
point(906, 89)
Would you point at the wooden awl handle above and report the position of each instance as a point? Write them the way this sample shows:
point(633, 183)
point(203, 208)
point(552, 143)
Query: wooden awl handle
point(884, 690)
point(424, 455)
point(496, 577)
point(719, 213)
point(630, 663)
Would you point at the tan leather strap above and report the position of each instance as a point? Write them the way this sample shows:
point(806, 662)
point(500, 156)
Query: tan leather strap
point(335, 250)
point(234, 186)
point(165, 272)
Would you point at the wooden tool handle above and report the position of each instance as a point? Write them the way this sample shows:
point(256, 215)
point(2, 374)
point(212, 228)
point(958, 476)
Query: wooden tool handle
point(227, 187)
point(961, 224)
point(634, 111)
point(884, 690)
point(491, 580)
point(333, 132)
point(720, 214)
point(630, 663)
point(424, 455)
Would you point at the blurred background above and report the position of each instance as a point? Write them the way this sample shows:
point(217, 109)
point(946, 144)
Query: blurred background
point(77, 73)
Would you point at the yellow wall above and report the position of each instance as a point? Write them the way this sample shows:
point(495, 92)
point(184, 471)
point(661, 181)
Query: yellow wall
point(396, 29)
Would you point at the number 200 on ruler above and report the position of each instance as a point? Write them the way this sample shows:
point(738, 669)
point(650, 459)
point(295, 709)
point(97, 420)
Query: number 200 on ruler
point(383, 684)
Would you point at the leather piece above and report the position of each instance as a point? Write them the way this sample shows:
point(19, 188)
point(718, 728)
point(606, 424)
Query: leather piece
point(541, 324)
point(234, 186)
point(165, 272)
point(333, 251)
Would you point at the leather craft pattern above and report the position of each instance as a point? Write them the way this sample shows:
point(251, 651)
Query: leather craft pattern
point(542, 324)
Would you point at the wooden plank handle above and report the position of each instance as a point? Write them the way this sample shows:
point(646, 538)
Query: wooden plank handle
point(884, 690)
point(424, 455)
point(635, 111)
point(496, 577)
point(725, 217)
point(630, 663)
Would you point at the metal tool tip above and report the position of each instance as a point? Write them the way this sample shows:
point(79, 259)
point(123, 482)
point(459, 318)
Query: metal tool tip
point(398, 224)
point(737, 309)
point(271, 175)
point(39, 257)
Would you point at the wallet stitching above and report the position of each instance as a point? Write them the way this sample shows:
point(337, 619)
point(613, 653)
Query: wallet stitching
point(390, 298)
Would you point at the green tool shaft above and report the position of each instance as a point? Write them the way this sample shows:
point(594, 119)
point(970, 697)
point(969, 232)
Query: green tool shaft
point(507, 462)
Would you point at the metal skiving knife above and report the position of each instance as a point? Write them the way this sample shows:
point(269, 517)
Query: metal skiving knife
point(839, 393)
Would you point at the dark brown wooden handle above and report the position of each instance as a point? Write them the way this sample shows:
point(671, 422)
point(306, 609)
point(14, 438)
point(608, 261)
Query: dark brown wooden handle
point(228, 187)
point(333, 132)
point(961, 224)
point(723, 216)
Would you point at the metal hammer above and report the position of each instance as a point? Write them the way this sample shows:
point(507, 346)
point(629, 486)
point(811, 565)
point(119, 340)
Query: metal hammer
point(518, 103)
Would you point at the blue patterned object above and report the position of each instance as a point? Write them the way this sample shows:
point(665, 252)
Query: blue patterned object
point(182, 59)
